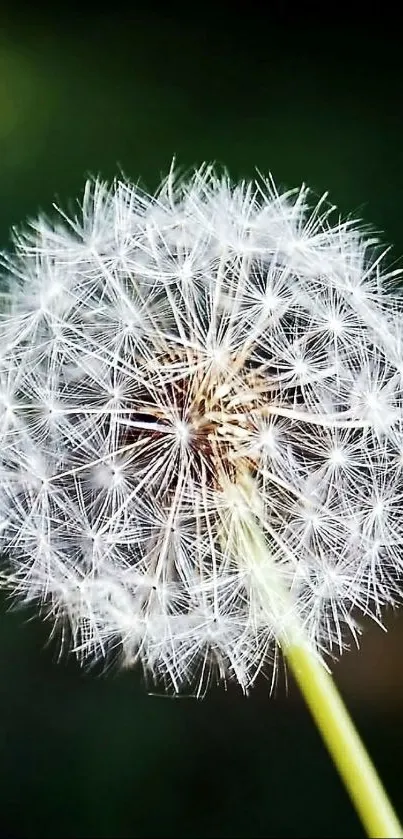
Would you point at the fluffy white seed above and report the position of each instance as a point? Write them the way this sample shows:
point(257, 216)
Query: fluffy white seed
point(156, 354)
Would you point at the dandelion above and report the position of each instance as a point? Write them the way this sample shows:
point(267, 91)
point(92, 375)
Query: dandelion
point(201, 417)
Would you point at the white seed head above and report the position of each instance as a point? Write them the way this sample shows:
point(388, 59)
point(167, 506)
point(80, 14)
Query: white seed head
point(179, 371)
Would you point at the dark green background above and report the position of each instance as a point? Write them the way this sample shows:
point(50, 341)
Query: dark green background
point(83, 755)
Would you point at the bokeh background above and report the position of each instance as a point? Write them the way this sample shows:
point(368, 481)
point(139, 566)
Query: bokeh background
point(85, 755)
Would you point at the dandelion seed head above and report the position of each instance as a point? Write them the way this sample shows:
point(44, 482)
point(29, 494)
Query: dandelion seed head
point(182, 371)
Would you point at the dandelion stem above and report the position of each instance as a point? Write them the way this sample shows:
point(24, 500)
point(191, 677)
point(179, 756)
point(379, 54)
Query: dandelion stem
point(316, 684)
point(344, 743)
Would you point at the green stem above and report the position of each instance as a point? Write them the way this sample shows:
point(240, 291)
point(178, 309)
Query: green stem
point(246, 540)
point(344, 744)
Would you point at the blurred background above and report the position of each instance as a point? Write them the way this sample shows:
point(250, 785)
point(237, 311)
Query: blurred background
point(84, 755)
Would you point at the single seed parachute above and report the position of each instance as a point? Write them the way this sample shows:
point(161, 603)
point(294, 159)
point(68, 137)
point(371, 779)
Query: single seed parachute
point(180, 372)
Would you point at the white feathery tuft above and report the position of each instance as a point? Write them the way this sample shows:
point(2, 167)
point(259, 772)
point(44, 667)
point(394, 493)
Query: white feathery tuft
point(173, 368)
